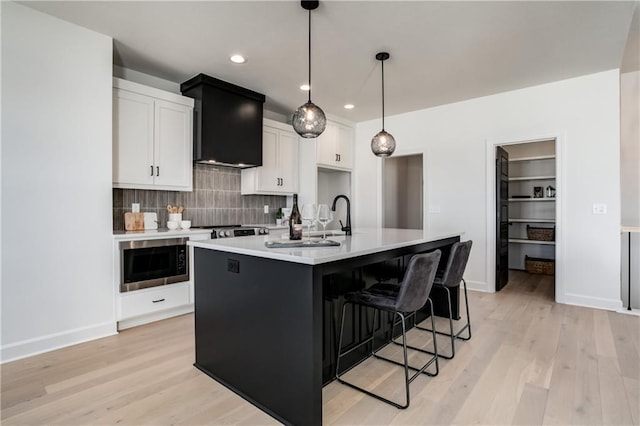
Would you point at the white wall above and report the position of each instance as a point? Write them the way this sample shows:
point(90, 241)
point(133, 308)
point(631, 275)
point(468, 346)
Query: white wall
point(453, 139)
point(57, 286)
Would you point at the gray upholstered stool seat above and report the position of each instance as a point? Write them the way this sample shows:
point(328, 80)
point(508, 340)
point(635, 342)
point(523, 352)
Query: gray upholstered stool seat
point(412, 294)
point(451, 276)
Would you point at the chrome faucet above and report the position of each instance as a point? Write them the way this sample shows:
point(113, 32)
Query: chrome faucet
point(346, 228)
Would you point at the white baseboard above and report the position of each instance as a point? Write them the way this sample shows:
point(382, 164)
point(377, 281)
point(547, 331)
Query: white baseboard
point(156, 316)
point(478, 286)
point(591, 302)
point(38, 345)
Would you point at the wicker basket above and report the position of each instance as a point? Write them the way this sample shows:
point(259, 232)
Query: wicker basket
point(541, 234)
point(537, 265)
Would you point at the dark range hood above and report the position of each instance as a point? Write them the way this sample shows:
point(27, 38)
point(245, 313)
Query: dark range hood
point(227, 122)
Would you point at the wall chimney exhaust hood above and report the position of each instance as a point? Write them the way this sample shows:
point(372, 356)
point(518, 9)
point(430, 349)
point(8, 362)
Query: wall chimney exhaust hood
point(227, 122)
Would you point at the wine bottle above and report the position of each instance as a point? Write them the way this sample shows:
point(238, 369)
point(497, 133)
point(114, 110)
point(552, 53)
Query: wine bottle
point(295, 221)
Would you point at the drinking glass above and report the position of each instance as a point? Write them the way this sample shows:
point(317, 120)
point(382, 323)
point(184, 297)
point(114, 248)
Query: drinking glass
point(325, 215)
point(309, 217)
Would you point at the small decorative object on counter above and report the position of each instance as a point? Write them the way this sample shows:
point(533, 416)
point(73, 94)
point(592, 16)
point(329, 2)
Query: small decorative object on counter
point(295, 221)
point(175, 213)
point(134, 221)
point(279, 217)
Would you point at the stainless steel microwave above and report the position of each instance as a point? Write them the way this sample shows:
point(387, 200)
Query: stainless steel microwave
point(150, 263)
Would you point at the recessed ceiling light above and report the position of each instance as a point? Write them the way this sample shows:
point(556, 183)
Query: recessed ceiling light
point(305, 87)
point(349, 106)
point(237, 59)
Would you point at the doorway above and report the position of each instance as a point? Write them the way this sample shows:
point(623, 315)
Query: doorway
point(402, 192)
point(526, 215)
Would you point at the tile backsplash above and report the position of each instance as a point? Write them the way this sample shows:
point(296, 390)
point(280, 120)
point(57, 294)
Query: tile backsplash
point(215, 200)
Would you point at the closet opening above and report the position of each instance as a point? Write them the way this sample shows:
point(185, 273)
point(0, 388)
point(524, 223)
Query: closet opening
point(526, 216)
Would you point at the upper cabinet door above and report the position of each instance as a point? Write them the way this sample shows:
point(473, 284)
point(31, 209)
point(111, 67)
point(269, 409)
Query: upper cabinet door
point(268, 174)
point(132, 138)
point(278, 174)
point(173, 143)
point(288, 157)
point(326, 146)
point(344, 147)
point(152, 138)
point(334, 147)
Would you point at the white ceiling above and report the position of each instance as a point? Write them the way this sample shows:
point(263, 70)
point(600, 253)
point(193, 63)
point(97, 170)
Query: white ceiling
point(441, 52)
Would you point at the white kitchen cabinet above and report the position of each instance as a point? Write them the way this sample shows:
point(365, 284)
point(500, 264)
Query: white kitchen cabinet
point(152, 138)
point(151, 300)
point(334, 147)
point(279, 171)
point(143, 306)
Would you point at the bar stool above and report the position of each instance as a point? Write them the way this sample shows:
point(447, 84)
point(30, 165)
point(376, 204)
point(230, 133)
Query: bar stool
point(451, 278)
point(412, 294)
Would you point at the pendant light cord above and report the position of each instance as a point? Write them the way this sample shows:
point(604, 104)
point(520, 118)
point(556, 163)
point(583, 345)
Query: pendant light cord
point(309, 55)
point(382, 62)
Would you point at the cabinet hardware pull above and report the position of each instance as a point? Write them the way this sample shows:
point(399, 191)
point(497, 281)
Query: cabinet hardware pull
point(157, 170)
point(338, 157)
point(159, 300)
point(151, 170)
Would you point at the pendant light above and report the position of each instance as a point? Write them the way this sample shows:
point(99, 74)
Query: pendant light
point(309, 120)
point(383, 144)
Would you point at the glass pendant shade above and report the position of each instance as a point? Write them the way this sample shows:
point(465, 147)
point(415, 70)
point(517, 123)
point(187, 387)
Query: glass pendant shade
point(309, 120)
point(383, 144)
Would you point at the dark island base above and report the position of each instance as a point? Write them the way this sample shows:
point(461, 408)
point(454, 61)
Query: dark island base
point(267, 329)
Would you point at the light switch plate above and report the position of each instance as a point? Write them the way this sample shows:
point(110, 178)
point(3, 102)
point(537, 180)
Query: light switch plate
point(434, 209)
point(266, 209)
point(599, 208)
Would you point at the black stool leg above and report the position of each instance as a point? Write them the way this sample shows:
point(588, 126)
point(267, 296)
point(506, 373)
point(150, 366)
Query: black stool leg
point(453, 335)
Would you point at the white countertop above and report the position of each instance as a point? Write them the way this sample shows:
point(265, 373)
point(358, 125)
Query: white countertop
point(363, 241)
point(157, 233)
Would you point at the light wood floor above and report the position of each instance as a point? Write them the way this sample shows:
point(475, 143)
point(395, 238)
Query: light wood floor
point(530, 361)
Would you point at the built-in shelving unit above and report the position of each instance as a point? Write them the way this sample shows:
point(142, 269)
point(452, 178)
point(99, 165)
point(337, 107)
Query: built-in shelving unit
point(525, 174)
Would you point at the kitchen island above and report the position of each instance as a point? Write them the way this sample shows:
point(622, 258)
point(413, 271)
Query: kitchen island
point(265, 319)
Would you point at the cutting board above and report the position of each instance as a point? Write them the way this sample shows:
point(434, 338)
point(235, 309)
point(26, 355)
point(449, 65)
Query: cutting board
point(134, 221)
point(150, 220)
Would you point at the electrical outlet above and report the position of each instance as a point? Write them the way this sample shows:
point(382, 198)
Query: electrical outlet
point(434, 209)
point(135, 207)
point(233, 266)
point(599, 208)
point(266, 209)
